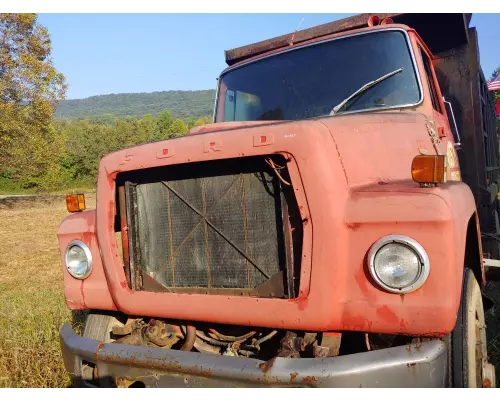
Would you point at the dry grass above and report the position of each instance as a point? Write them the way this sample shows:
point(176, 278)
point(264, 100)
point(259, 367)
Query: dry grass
point(32, 307)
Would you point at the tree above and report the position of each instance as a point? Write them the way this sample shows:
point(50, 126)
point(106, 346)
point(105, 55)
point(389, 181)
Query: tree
point(178, 128)
point(496, 94)
point(30, 87)
point(165, 120)
point(168, 127)
point(148, 128)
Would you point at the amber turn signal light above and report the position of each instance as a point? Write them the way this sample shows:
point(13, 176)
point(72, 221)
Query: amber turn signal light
point(75, 202)
point(429, 169)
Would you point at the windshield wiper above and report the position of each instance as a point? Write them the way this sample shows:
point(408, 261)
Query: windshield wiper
point(362, 89)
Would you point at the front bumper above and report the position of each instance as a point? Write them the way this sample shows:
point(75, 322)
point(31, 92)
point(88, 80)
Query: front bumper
point(424, 365)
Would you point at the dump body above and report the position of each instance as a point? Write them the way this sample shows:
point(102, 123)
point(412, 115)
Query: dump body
point(263, 225)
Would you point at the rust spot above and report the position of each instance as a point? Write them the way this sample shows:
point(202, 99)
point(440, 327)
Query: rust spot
point(387, 315)
point(87, 238)
point(83, 295)
point(355, 226)
point(266, 366)
point(351, 322)
point(123, 382)
point(411, 364)
point(293, 375)
point(486, 383)
point(99, 348)
point(310, 379)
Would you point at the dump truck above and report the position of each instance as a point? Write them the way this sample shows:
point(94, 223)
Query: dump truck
point(333, 227)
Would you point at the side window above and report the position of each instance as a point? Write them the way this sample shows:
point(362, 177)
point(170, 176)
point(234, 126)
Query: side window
point(240, 106)
point(430, 82)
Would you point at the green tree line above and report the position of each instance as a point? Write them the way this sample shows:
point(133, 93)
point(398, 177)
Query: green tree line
point(85, 142)
point(70, 151)
point(183, 104)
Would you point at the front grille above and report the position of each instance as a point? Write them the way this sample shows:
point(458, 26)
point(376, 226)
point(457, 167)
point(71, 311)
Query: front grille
point(228, 226)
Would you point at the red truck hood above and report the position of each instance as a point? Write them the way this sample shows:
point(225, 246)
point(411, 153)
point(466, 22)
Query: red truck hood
point(336, 167)
point(366, 142)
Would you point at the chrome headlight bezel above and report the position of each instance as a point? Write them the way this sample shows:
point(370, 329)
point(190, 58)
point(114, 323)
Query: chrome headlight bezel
point(411, 244)
point(88, 254)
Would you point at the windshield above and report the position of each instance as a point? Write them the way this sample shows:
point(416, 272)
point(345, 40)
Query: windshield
point(310, 81)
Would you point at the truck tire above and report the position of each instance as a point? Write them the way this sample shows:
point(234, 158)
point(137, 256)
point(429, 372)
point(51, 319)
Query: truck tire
point(469, 357)
point(98, 326)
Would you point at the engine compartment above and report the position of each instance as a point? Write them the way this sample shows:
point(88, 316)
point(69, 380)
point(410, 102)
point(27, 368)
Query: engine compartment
point(258, 343)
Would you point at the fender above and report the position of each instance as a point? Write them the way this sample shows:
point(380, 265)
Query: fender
point(92, 292)
point(438, 219)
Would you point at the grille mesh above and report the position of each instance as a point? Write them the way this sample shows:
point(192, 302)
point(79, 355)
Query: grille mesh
point(180, 248)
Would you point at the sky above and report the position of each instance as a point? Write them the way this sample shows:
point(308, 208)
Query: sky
point(127, 53)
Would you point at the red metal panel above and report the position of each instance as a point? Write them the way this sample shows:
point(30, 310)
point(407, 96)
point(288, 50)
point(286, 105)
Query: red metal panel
point(336, 292)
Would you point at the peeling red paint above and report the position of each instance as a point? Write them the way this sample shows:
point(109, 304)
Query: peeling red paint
point(387, 315)
point(83, 294)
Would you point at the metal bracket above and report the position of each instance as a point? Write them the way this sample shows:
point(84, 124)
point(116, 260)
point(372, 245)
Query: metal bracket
point(459, 142)
point(488, 262)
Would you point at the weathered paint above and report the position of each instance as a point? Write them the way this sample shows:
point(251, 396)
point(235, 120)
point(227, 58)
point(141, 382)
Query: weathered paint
point(92, 292)
point(352, 179)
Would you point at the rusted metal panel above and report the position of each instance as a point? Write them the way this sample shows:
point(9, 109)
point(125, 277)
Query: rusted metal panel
point(189, 229)
point(272, 288)
point(131, 205)
point(439, 31)
point(173, 368)
point(358, 21)
point(124, 231)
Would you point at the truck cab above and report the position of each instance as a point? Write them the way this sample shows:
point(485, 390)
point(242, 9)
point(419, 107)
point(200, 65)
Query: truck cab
point(318, 233)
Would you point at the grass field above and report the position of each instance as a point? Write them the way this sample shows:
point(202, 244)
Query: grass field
point(32, 307)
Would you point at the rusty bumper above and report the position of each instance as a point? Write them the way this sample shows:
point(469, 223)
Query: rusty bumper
point(422, 366)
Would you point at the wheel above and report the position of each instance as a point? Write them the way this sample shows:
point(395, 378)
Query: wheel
point(98, 326)
point(470, 367)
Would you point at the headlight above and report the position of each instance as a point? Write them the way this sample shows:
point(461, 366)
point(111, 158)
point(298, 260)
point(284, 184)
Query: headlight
point(78, 259)
point(398, 263)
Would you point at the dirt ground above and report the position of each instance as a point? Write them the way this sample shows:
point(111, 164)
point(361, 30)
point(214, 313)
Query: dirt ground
point(32, 307)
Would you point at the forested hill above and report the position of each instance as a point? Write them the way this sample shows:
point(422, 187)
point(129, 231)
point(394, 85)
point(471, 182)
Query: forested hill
point(182, 104)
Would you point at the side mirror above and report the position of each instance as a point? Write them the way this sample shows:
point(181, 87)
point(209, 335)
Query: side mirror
point(454, 127)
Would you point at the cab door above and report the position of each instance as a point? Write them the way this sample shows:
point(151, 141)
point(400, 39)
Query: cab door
point(447, 140)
